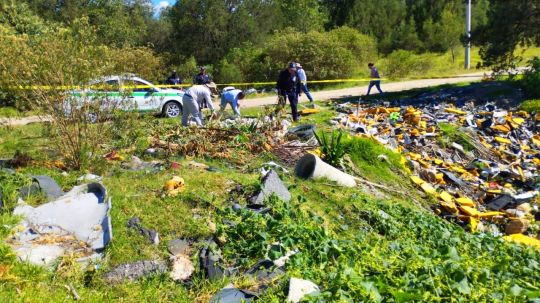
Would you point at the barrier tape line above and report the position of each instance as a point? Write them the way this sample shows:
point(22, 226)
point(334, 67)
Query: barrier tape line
point(47, 87)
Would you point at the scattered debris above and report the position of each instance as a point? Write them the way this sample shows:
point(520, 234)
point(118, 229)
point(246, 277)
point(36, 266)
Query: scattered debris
point(178, 246)
point(311, 166)
point(299, 288)
point(303, 132)
point(136, 164)
point(89, 178)
point(135, 270)
point(268, 166)
point(44, 184)
point(182, 268)
point(271, 185)
point(152, 235)
point(230, 294)
point(73, 291)
point(478, 159)
point(174, 186)
point(77, 223)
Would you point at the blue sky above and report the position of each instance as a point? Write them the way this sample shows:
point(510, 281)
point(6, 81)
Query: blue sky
point(161, 4)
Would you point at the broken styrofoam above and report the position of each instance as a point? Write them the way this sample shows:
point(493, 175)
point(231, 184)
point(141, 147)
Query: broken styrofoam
point(299, 288)
point(77, 222)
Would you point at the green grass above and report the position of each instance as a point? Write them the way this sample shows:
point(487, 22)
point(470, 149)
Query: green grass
point(347, 246)
point(452, 133)
point(531, 105)
point(32, 139)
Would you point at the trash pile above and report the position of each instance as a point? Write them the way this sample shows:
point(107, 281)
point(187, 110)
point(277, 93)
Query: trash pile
point(231, 140)
point(487, 181)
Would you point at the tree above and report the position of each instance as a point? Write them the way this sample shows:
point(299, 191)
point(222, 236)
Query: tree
point(303, 15)
point(510, 24)
point(208, 29)
point(445, 34)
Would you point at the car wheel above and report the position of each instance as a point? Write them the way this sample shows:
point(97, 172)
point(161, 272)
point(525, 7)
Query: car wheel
point(172, 109)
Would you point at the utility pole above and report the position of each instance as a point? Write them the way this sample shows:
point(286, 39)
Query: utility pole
point(468, 35)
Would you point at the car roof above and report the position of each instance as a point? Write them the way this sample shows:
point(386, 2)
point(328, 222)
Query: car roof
point(121, 78)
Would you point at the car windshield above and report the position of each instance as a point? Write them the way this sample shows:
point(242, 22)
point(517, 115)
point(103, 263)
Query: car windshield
point(138, 86)
point(108, 85)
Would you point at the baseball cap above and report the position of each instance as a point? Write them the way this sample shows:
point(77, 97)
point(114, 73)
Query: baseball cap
point(292, 65)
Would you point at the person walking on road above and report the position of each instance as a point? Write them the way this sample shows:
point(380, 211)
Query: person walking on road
point(231, 96)
point(303, 82)
point(374, 74)
point(288, 87)
point(192, 101)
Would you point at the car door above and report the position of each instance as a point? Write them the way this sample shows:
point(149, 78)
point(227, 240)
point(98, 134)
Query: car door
point(141, 94)
point(106, 94)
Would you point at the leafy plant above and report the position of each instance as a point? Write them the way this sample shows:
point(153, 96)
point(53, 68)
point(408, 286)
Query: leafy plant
point(332, 149)
point(10, 183)
point(381, 251)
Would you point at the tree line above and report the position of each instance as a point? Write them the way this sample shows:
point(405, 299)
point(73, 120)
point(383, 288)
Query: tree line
point(247, 40)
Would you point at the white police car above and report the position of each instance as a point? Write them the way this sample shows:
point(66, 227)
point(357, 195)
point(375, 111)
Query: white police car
point(134, 93)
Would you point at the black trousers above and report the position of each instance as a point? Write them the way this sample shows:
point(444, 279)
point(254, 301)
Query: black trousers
point(293, 100)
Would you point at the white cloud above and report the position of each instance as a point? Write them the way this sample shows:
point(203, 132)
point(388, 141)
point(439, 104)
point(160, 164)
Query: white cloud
point(161, 6)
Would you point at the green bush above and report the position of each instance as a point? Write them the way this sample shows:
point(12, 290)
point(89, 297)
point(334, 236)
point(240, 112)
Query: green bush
point(227, 72)
point(531, 79)
point(329, 55)
point(402, 64)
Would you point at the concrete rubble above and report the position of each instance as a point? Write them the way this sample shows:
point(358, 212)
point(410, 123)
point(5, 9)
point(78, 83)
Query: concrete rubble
point(135, 270)
point(271, 185)
point(152, 235)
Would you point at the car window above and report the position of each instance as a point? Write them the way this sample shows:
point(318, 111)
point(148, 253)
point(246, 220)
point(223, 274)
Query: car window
point(137, 86)
point(106, 86)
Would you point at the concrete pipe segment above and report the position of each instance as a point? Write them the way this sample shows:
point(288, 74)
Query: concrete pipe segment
point(311, 166)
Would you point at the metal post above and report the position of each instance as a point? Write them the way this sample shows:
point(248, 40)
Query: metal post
point(468, 34)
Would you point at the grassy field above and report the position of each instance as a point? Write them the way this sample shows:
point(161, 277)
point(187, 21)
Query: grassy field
point(357, 244)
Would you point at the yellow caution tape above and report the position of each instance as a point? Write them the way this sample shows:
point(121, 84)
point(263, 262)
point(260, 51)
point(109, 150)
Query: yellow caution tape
point(67, 87)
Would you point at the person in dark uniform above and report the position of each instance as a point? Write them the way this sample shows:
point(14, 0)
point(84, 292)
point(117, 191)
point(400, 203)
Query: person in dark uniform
point(202, 77)
point(174, 79)
point(288, 87)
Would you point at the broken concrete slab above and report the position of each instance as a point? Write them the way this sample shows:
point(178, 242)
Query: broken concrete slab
point(271, 185)
point(150, 234)
point(178, 246)
point(210, 260)
point(44, 184)
point(299, 288)
point(182, 268)
point(135, 270)
point(230, 294)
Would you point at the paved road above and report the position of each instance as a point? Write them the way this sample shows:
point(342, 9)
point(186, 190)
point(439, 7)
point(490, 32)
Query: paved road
point(362, 90)
point(320, 95)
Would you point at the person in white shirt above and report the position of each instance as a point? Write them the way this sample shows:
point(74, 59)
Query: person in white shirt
point(303, 81)
point(192, 100)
